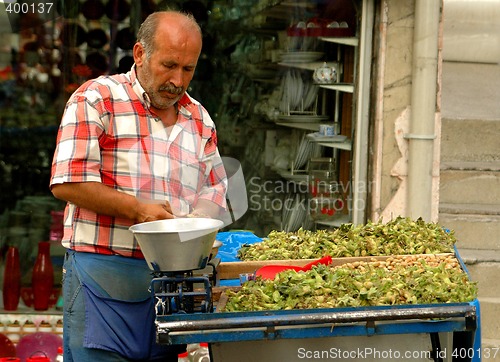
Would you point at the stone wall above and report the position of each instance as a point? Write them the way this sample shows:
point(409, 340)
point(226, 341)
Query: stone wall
point(391, 100)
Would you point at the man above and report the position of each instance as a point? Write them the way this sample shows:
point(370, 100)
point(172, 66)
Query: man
point(131, 148)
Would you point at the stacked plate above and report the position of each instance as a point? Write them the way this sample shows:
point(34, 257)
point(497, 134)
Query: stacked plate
point(297, 94)
point(310, 95)
point(303, 153)
point(294, 212)
point(307, 149)
point(291, 91)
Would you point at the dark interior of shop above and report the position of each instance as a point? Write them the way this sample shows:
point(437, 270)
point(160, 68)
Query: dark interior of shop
point(239, 79)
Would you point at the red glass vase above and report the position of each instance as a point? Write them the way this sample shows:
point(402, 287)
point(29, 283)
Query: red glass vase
point(42, 280)
point(11, 279)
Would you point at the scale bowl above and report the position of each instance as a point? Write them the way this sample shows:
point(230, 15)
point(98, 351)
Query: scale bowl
point(180, 244)
point(215, 248)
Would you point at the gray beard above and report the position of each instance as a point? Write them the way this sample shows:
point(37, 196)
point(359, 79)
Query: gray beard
point(162, 104)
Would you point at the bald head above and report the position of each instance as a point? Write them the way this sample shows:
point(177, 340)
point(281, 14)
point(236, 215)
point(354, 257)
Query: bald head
point(167, 22)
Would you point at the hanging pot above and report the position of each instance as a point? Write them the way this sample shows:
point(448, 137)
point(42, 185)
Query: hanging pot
point(125, 39)
point(147, 7)
point(72, 35)
point(97, 38)
point(125, 63)
point(117, 9)
point(97, 62)
point(69, 59)
point(93, 9)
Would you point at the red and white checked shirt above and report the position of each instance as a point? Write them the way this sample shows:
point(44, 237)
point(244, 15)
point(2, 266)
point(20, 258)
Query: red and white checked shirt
point(108, 135)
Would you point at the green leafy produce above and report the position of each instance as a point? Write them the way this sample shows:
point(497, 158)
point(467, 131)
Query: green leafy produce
point(398, 280)
point(400, 236)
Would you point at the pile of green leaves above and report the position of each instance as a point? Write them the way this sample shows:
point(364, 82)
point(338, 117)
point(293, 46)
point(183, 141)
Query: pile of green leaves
point(400, 236)
point(438, 279)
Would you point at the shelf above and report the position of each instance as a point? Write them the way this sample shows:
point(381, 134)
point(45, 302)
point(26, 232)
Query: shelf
point(26, 311)
point(307, 126)
point(342, 144)
point(304, 65)
point(346, 145)
point(342, 87)
point(352, 41)
point(337, 222)
point(299, 177)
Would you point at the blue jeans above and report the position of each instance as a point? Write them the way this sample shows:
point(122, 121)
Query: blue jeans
point(108, 310)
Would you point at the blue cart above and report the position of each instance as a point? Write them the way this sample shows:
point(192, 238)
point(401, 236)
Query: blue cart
point(439, 332)
point(430, 332)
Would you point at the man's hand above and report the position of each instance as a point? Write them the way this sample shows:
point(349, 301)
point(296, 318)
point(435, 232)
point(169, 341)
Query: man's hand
point(152, 212)
point(105, 200)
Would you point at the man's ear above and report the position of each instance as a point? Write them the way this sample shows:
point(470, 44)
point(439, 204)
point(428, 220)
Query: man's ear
point(139, 54)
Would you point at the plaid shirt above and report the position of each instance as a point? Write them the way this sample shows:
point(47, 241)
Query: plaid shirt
point(109, 135)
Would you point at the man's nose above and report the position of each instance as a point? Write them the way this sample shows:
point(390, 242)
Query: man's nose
point(176, 77)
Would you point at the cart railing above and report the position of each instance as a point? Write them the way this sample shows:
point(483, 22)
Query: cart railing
point(219, 327)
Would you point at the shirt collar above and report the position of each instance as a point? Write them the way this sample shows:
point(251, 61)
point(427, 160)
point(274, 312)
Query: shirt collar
point(137, 87)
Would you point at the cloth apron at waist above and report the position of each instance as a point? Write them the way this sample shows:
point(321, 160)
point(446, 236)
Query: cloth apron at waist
point(119, 309)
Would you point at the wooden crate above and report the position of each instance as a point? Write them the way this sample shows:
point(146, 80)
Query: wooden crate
point(232, 270)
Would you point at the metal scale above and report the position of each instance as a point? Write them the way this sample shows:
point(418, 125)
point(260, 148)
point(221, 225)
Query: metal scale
point(178, 253)
point(185, 291)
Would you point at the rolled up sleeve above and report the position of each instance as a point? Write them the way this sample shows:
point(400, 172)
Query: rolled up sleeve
point(77, 156)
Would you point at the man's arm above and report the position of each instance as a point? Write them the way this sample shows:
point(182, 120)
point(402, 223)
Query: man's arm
point(105, 200)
